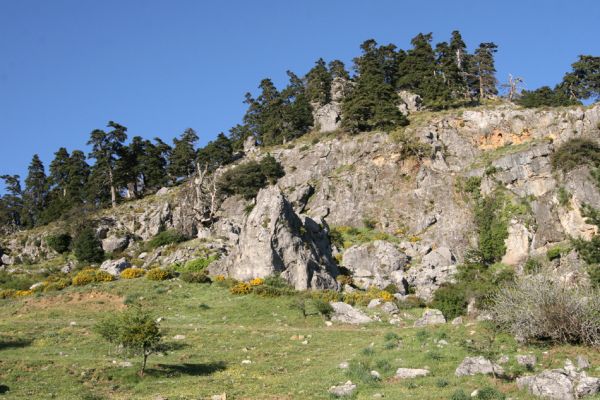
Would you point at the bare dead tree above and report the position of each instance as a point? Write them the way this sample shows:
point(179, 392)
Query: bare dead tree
point(203, 194)
point(513, 86)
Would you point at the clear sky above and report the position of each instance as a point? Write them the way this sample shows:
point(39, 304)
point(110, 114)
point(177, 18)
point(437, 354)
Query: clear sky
point(160, 66)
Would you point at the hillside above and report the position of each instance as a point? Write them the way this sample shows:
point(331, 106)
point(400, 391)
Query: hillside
point(393, 217)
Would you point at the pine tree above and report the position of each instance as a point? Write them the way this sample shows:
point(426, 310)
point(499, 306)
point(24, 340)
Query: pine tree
point(78, 172)
point(373, 104)
point(318, 83)
point(337, 69)
point(59, 170)
point(296, 113)
point(152, 164)
point(418, 66)
point(484, 69)
point(106, 146)
point(11, 210)
point(183, 155)
point(583, 82)
point(36, 191)
point(216, 153)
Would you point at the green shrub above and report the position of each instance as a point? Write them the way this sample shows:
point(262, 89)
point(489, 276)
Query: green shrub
point(594, 273)
point(492, 227)
point(576, 152)
point(323, 308)
point(489, 393)
point(16, 281)
point(87, 247)
point(554, 253)
point(197, 265)
point(532, 266)
point(195, 277)
point(460, 395)
point(391, 289)
point(60, 243)
point(564, 197)
point(451, 300)
point(248, 178)
point(166, 237)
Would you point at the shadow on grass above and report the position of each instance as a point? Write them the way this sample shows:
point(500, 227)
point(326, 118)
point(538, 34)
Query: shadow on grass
point(200, 369)
point(14, 343)
point(4, 389)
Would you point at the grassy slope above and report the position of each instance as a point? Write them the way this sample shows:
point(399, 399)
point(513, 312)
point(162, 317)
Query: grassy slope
point(43, 356)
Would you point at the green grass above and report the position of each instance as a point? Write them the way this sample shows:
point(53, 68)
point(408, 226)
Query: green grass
point(42, 355)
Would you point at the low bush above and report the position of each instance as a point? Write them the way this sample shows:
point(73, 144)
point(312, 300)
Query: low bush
point(451, 300)
point(7, 293)
point(554, 253)
point(158, 274)
point(576, 152)
point(489, 393)
point(89, 275)
point(166, 237)
point(132, 273)
point(60, 243)
point(16, 281)
point(323, 308)
point(344, 280)
point(257, 282)
point(198, 264)
point(241, 288)
point(541, 307)
point(195, 277)
point(57, 284)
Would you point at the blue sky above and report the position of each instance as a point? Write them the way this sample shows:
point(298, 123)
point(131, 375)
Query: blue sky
point(158, 67)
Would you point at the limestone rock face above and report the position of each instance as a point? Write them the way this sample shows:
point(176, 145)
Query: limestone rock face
point(378, 264)
point(431, 317)
point(517, 244)
point(274, 239)
point(436, 267)
point(328, 117)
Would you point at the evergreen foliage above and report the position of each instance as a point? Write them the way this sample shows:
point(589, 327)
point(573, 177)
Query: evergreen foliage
point(183, 155)
point(248, 178)
point(61, 243)
point(87, 247)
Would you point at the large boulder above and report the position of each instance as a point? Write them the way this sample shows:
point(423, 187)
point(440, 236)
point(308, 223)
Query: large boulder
point(347, 314)
point(328, 117)
point(560, 384)
point(431, 317)
point(274, 239)
point(517, 244)
point(114, 243)
point(115, 267)
point(478, 365)
point(378, 264)
point(410, 102)
point(436, 268)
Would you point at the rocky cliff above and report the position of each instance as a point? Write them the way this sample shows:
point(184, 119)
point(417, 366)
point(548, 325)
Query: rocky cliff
point(372, 180)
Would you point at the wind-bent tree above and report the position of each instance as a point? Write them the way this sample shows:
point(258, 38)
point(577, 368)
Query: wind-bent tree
point(106, 147)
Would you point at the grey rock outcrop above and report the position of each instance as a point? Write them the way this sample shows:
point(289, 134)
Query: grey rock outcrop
point(274, 239)
point(517, 244)
point(478, 365)
point(410, 102)
point(113, 243)
point(343, 390)
point(115, 267)
point(560, 384)
point(407, 373)
point(435, 269)
point(347, 314)
point(328, 117)
point(378, 264)
point(431, 317)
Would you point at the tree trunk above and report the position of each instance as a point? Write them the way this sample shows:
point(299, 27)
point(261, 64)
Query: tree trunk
point(144, 364)
point(113, 191)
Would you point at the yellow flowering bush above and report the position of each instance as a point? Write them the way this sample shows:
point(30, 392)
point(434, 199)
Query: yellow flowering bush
point(21, 293)
point(386, 296)
point(219, 278)
point(158, 274)
point(57, 284)
point(84, 277)
point(240, 288)
point(132, 273)
point(103, 276)
point(257, 282)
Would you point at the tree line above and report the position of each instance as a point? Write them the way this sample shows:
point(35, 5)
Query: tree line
point(445, 75)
